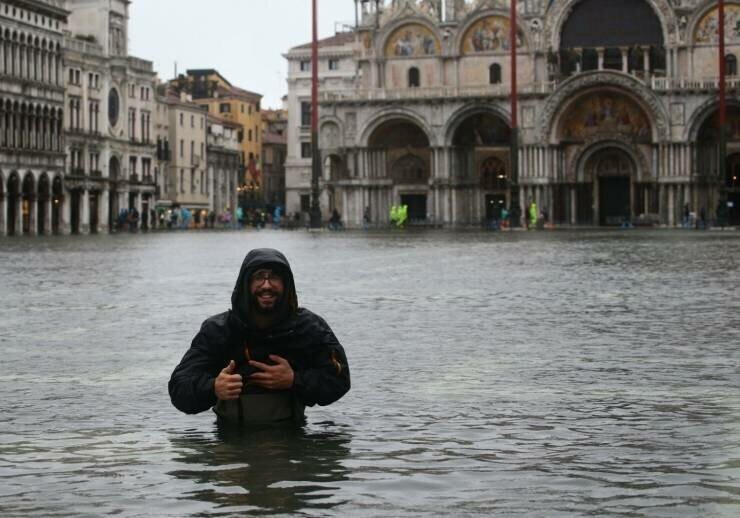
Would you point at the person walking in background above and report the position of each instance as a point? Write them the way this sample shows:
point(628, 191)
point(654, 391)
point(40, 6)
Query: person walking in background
point(366, 218)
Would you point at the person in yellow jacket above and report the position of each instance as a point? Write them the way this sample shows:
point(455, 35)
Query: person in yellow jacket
point(394, 215)
point(533, 215)
point(403, 215)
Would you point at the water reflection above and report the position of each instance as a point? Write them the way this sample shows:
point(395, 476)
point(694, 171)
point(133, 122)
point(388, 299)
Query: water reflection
point(273, 470)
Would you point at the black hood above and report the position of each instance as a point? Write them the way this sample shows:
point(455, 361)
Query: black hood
point(256, 259)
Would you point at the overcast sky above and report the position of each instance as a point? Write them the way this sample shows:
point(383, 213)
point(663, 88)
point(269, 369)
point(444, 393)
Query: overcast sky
point(242, 39)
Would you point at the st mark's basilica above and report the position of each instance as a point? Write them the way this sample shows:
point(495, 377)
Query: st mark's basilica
point(618, 105)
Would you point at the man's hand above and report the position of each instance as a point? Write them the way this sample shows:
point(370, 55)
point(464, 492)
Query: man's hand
point(273, 377)
point(228, 385)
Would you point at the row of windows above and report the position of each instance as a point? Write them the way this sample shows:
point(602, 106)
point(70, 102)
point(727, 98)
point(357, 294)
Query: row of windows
point(201, 185)
point(192, 121)
point(331, 64)
point(29, 59)
point(226, 108)
point(77, 165)
point(144, 92)
point(93, 114)
point(33, 127)
point(29, 17)
point(145, 122)
point(192, 150)
point(75, 78)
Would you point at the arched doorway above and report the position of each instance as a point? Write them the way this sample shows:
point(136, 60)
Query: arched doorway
point(481, 149)
point(407, 162)
point(720, 190)
point(114, 173)
point(44, 196)
point(611, 170)
point(29, 197)
point(57, 201)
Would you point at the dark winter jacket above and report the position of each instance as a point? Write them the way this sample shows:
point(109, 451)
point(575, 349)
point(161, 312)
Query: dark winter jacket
point(305, 340)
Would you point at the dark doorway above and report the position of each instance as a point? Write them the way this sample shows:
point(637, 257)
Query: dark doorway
point(42, 205)
point(29, 196)
point(75, 212)
point(733, 208)
point(56, 205)
point(614, 199)
point(417, 204)
point(94, 206)
point(12, 203)
point(494, 204)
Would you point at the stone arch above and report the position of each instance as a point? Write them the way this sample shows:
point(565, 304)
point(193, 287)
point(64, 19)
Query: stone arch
point(391, 33)
point(625, 84)
point(559, 12)
point(700, 115)
point(409, 169)
point(391, 114)
point(459, 117)
point(591, 149)
point(480, 16)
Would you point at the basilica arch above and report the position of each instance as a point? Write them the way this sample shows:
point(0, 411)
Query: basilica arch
point(557, 103)
point(401, 157)
point(558, 13)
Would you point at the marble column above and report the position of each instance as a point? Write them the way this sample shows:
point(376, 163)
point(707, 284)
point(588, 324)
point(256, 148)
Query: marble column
point(573, 205)
point(84, 209)
point(47, 216)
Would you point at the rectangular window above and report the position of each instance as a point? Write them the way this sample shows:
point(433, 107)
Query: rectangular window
point(192, 121)
point(305, 150)
point(192, 150)
point(182, 148)
point(182, 119)
point(182, 181)
point(333, 64)
point(224, 108)
point(249, 138)
point(305, 202)
point(192, 181)
point(305, 114)
point(305, 65)
point(249, 110)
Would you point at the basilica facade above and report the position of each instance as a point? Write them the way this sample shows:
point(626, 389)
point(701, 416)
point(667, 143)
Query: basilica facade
point(618, 105)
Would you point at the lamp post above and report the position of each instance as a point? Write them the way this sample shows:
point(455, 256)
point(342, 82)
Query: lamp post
point(315, 157)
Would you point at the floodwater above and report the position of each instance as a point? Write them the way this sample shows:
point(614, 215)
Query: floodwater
point(588, 373)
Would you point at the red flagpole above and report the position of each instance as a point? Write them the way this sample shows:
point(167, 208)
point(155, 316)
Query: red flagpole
point(315, 158)
point(722, 96)
point(514, 191)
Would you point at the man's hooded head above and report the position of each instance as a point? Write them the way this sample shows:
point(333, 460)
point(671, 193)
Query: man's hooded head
point(271, 292)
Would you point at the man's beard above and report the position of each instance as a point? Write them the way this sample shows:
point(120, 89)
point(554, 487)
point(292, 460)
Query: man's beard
point(274, 310)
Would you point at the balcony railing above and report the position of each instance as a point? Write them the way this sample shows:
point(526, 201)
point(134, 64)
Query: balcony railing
point(386, 94)
point(683, 83)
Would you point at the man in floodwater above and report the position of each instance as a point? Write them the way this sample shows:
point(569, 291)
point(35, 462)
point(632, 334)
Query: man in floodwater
point(266, 359)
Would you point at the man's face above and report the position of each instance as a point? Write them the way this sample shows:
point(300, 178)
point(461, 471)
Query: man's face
point(266, 287)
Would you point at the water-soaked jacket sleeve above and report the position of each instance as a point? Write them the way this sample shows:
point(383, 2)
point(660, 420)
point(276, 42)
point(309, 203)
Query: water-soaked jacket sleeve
point(327, 378)
point(191, 383)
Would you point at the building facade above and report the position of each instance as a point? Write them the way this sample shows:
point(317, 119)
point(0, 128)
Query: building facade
point(210, 89)
point(32, 196)
point(186, 176)
point(338, 72)
point(617, 112)
point(274, 154)
point(110, 104)
point(225, 165)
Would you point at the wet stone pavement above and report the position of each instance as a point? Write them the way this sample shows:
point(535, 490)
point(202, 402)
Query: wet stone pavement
point(590, 373)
